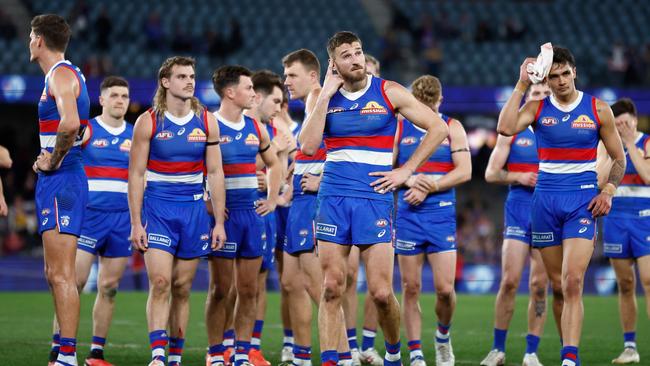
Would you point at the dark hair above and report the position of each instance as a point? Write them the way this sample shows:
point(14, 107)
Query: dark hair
point(165, 72)
point(265, 80)
point(111, 81)
point(562, 55)
point(622, 106)
point(228, 75)
point(306, 57)
point(54, 30)
point(340, 38)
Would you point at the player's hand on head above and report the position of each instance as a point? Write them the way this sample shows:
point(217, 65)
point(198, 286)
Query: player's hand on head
point(390, 180)
point(218, 237)
point(600, 205)
point(261, 181)
point(138, 238)
point(523, 71)
point(333, 81)
point(627, 133)
point(414, 196)
point(528, 179)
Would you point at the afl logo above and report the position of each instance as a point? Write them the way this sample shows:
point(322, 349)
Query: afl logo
point(100, 143)
point(335, 110)
point(303, 232)
point(225, 139)
point(525, 142)
point(381, 223)
point(585, 221)
point(409, 140)
point(164, 135)
point(549, 121)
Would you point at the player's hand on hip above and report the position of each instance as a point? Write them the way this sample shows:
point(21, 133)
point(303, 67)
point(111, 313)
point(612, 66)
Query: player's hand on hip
point(218, 237)
point(310, 182)
point(139, 237)
point(523, 71)
point(333, 81)
point(390, 180)
point(265, 207)
point(414, 196)
point(528, 179)
point(600, 205)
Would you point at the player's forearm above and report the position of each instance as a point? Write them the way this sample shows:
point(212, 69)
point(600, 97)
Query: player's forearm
point(434, 137)
point(641, 164)
point(501, 176)
point(617, 172)
point(507, 123)
point(455, 177)
point(312, 134)
point(65, 137)
point(135, 195)
point(216, 181)
point(275, 177)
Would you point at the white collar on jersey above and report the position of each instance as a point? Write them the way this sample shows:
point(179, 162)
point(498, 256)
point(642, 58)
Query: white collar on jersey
point(237, 126)
point(359, 93)
point(566, 108)
point(181, 121)
point(49, 72)
point(112, 130)
point(639, 134)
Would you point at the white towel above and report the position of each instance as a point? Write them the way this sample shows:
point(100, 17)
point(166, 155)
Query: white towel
point(539, 70)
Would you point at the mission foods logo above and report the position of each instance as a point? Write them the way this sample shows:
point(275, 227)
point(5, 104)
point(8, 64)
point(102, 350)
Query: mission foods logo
point(125, 146)
point(583, 122)
point(252, 140)
point(197, 135)
point(373, 107)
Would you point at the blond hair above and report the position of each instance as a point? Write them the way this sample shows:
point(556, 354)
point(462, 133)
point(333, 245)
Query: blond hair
point(165, 72)
point(427, 89)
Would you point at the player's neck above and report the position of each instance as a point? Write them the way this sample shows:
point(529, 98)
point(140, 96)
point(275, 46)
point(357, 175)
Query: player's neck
point(355, 86)
point(230, 111)
point(252, 113)
point(48, 60)
point(567, 100)
point(111, 121)
point(178, 107)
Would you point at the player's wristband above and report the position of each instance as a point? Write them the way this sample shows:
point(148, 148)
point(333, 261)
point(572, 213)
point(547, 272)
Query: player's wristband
point(609, 189)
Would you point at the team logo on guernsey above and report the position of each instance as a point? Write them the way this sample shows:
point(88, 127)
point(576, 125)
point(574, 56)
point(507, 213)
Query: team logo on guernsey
point(373, 107)
point(549, 121)
point(197, 135)
point(584, 122)
point(100, 143)
point(225, 139)
point(65, 221)
point(164, 135)
point(381, 223)
point(585, 221)
point(451, 238)
point(252, 140)
point(45, 212)
point(303, 232)
point(409, 140)
point(524, 142)
point(125, 146)
point(205, 237)
point(335, 110)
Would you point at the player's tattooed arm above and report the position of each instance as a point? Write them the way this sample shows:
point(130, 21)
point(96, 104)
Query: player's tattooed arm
point(64, 141)
point(617, 172)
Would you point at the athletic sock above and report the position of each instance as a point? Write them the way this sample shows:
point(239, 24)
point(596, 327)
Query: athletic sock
point(67, 352)
point(500, 339)
point(329, 358)
point(352, 338)
point(175, 350)
point(256, 339)
point(393, 356)
point(570, 356)
point(442, 333)
point(287, 341)
point(368, 338)
point(241, 352)
point(216, 353)
point(158, 341)
point(415, 350)
point(301, 355)
point(629, 339)
point(532, 343)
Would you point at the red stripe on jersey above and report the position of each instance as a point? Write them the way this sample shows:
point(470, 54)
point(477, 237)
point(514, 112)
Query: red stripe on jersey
point(376, 142)
point(523, 167)
point(539, 109)
point(633, 179)
point(175, 166)
point(435, 167)
point(235, 169)
point(595, 110)
point(48, 126)
point(556, 153)
point(320, 154)
point(383, 94)
point(106, 172)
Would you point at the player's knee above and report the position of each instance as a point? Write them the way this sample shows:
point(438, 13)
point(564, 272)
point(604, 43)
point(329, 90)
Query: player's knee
point(445, 293)
point(538, 287)
point(626, 285)
point(246, 290)
point(108, 290)
point(332, 288)
point(160, 285)
point(411, 289)
point(59, 277)
point(290, 284)
point(217, 293)
point(572, 285)
point(181, 291)
point(382, 297)
point(509, 285)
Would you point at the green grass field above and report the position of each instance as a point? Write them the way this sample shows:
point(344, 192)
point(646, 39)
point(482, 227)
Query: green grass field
point(25, 322)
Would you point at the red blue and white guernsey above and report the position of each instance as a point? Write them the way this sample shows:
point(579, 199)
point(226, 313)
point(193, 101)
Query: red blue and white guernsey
point(240, 144)
point(106, 162)
point(522, 159)
point(358, 135)
point(49, 118)
point(438, 164)
point(632, 198)
point(305, 164)
point(177, 157)
point(567, 141)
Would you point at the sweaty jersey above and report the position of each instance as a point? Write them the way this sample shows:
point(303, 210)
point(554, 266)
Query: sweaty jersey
point(522, 159)
point(567, 141)
point(632, 198)
point(240, 143)
point(49, 118)
point(177, 156)
point(438, 164)
point(106, 162)
point(358, 135)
